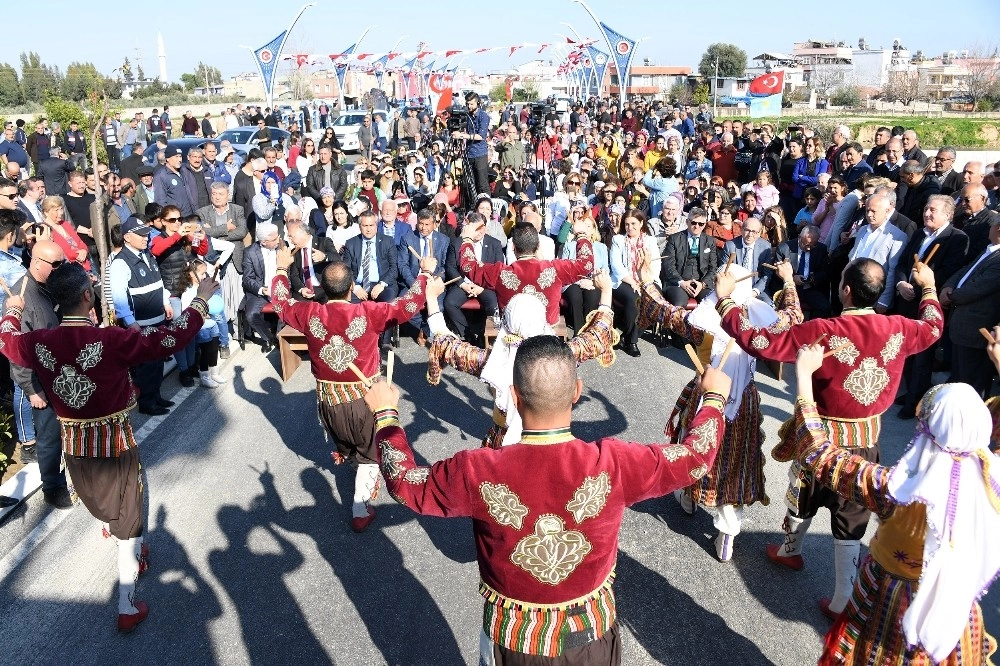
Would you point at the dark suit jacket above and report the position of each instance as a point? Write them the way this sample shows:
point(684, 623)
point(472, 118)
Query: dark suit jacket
point(314, 181)
point(952, 182)
point(409, 266)
point(738, 247)
point(297, 279)
point(916, 198)
point(385, 253)
point(977, 228)
point(492, 253)
point(819, 264)
point(678, 252)
point(253, 270)
point(904, 224)
point(950, 256)
point(918, 155)
point(976, 303)
point(236, 236)
point(243, 192)
point(772, 255)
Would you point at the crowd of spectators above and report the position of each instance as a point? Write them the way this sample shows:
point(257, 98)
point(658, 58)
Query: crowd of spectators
point(673, 183)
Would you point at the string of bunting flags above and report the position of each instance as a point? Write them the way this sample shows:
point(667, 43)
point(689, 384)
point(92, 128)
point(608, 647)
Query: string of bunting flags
point(381, 60)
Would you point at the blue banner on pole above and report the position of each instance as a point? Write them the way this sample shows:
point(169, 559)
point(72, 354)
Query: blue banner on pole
point(267, 61)
point(379, 67)
point(765, 107)
point(341, 67)
point(622, 50)
point(601, 60)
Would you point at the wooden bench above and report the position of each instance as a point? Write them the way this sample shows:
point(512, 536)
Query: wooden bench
point(290, 343)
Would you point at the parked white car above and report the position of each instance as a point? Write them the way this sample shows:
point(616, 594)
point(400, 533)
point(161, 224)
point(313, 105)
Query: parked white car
point(346, 128)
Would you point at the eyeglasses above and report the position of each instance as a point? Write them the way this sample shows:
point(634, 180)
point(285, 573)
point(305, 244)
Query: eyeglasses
point(54, 264)
point(751, 231)
point(171, 219)
point(572, 182)
point(693, 223)
point(11, 196)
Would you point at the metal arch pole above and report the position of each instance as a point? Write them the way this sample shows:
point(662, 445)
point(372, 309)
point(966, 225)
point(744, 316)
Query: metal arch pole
point(277, 55)
point(622, 78)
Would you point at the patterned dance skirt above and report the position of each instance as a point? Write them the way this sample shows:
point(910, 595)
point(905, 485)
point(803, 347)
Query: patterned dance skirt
point(737, 476)
point(870, 631)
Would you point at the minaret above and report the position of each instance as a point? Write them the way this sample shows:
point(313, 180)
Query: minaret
point(161, 55)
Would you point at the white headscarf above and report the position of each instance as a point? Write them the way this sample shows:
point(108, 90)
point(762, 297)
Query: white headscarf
point(740, 366)
point(523, 318)
point(948, 469)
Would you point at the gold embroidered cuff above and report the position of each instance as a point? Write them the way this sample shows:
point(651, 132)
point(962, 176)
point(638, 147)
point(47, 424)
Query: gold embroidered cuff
point(713, 399)
point(200, 306)
point(724, 306)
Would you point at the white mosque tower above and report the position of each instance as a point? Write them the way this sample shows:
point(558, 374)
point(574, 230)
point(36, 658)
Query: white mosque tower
point(161, 55)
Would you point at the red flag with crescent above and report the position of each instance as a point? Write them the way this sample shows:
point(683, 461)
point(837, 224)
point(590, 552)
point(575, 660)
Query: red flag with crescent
point(512, 49)
point(768, 84)
point(301, 59)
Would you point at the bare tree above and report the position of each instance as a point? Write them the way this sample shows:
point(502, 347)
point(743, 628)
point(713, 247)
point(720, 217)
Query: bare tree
point(903, 86)
point(982, 73)
point(299, 78)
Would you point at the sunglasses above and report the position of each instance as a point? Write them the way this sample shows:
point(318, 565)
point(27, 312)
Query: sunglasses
point(54, 264)
point(697, 224)
point(10, 196)
point(171, 219)
point(572, 182)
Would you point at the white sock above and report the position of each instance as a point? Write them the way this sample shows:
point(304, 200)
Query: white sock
point(728, 519)
point(795, 531)
point(128, 572)
point(364, 485)
point(846, 555)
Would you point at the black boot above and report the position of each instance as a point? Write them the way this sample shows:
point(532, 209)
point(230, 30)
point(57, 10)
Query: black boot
point(186, 377)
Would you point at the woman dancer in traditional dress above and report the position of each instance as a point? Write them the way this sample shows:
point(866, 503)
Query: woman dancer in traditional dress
point(737, 477)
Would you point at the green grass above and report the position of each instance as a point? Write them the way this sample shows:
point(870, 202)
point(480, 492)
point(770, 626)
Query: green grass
point(962, 133)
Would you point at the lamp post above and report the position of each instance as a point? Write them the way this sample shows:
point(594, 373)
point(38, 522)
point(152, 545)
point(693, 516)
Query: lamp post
point(715, 90)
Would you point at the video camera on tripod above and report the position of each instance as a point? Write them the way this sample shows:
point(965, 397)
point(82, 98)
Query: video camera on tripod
point(539, 110)
point(458, 118)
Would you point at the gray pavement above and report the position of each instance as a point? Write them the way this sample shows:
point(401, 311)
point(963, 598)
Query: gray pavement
point(253, 560)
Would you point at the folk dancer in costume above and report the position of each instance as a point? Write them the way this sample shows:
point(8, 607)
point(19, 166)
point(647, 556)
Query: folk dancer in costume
point(523, 318)
point(852, 393)
point(736, 480)
point(527, 275)
point(85, 373)
point(546, 511)
point(340, 333)
point(934, 552)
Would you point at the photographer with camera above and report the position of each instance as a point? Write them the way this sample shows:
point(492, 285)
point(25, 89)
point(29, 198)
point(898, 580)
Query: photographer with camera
point(476, 150)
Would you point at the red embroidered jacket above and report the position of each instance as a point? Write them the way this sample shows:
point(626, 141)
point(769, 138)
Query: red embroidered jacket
point(860, 380)
point(546, 515)
point(84, 369)
point(544, 279)
point(339, 333)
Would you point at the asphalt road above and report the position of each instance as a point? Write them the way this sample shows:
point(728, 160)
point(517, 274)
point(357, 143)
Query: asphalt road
point(253, 560)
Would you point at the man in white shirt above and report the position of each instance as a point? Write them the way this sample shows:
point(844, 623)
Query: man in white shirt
point(881, 242)
point(30, 193)
point(546, 246)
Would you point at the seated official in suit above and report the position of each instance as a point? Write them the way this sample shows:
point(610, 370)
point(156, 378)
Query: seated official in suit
point(952, 245)
point(259, 265)
point(425, 242)
point(488, 251)
point(811, 276)
point(748, 251)
point(881, 242)
point(373, 262)
point(975, 301)
point(314, 253)
point(688, 267)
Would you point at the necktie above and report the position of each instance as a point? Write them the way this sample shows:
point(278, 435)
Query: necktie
point(423, 246)
point(365, 261)
point(747, 254)
point(694, 246)
point(805, 264)
point(307, 266)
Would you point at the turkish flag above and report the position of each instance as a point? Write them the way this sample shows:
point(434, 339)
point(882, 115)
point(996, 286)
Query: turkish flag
point(768, 84)
point(301, 59)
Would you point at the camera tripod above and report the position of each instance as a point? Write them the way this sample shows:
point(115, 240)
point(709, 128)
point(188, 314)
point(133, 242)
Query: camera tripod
point(458, 166)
